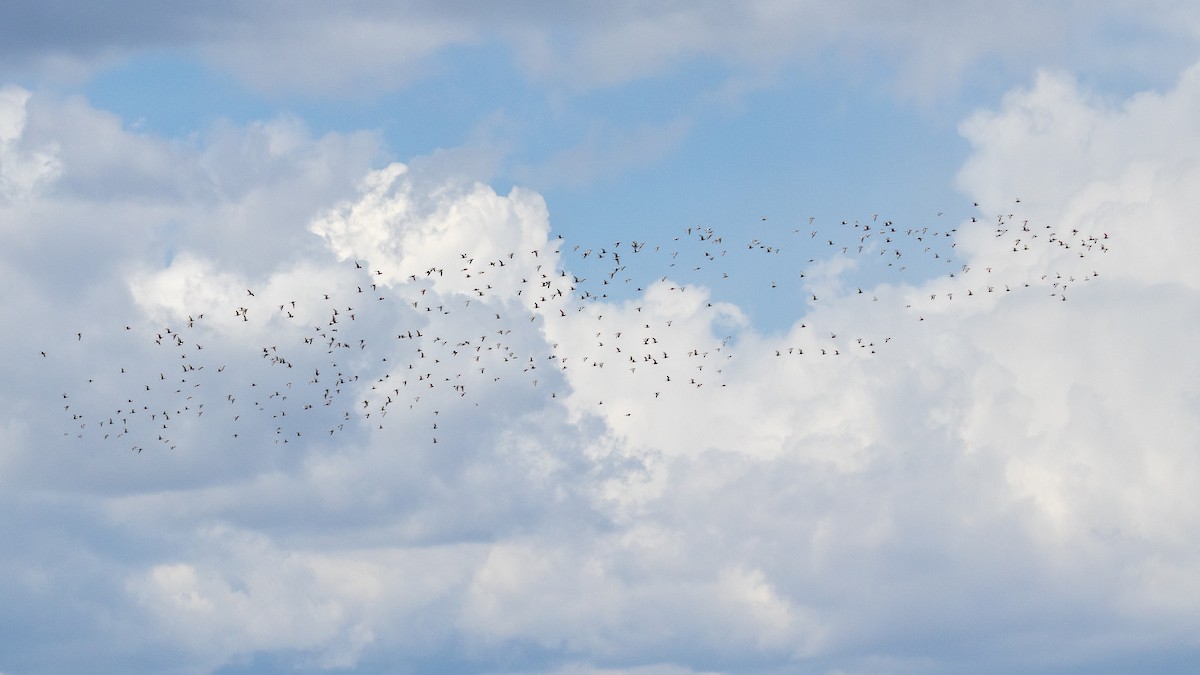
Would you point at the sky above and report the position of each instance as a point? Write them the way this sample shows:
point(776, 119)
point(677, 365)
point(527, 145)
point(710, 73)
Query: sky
point(595, 338)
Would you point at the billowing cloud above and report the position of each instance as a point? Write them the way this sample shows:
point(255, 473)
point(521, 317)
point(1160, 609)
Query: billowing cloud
point(508, 457)
point(22, 169)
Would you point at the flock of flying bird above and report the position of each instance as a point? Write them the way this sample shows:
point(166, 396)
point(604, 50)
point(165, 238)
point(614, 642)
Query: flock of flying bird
point(468, 327)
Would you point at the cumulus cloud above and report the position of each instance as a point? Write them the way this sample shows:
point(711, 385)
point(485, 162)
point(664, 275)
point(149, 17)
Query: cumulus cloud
point(1057, 135)
point(405, 228)
point(1099, 437)
point(22, 169)
point(955, 475)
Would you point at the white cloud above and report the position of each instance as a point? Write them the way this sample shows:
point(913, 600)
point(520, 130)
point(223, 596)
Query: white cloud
point(405, 228)
point(1054, 140)
point(1010, 465)
point(244, 594)
point(22, 169)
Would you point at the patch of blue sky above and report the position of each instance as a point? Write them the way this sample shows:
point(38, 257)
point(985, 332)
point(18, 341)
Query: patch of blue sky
point(810, 147)
point(639, 161)
point(172, 94)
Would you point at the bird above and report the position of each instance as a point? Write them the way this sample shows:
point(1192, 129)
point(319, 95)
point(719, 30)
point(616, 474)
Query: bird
point(581, 284)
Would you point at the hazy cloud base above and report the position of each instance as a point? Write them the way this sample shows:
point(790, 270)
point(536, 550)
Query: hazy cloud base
point(317, 49)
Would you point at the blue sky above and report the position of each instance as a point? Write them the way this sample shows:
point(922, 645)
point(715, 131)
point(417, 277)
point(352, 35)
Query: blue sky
point(649, 338)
